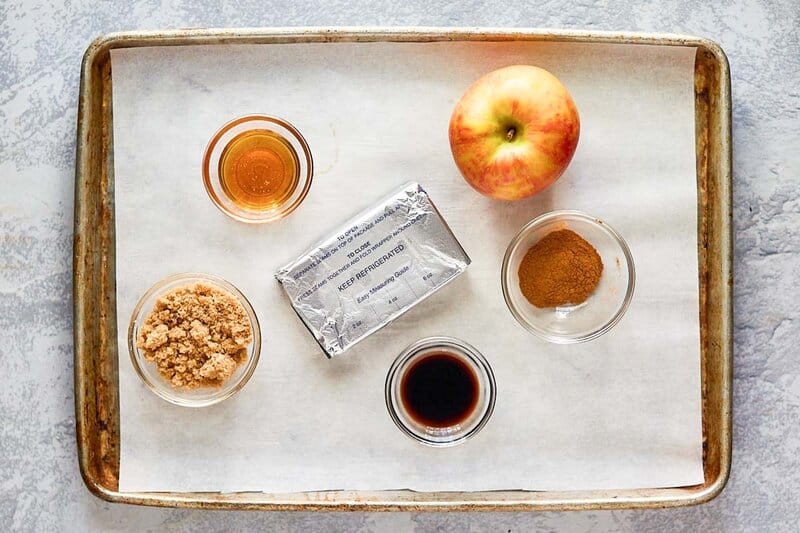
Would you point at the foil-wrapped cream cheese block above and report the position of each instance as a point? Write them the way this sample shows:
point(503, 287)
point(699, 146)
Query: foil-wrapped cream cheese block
point(373, 269)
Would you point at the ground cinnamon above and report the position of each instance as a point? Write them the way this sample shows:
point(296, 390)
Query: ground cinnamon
point(561, 269)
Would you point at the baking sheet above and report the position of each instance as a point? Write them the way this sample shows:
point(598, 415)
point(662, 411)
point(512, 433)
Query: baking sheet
point(622, 411)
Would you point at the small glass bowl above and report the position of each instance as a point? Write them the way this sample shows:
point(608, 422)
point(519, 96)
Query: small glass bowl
point(441, 436)
point(214, 151)
point(204, 396)
point(602, 310)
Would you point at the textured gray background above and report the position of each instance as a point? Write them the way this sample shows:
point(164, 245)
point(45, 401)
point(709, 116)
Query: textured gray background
point(41, 44)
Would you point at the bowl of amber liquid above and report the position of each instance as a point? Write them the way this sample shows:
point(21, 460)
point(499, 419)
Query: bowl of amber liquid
point(257, 169)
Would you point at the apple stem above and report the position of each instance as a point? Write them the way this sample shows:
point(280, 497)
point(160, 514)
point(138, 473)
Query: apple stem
point(511, 133)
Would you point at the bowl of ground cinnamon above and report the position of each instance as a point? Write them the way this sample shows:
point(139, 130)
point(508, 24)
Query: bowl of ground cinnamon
point(194, 339)
point(568, 277)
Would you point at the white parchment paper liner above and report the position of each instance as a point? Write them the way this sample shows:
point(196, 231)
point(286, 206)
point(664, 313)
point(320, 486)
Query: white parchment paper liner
point(619, 412)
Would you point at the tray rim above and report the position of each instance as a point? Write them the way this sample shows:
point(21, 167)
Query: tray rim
point(85, 253)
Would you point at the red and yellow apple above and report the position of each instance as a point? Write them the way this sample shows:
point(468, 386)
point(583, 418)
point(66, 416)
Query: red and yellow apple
point(514, 132)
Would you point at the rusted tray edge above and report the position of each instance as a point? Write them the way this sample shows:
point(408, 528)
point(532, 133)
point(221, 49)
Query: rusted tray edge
point(94, 306)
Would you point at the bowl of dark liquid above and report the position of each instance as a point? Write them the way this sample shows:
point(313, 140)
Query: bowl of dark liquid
point(440, 391)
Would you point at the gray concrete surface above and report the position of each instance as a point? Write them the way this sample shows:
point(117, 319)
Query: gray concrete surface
point(41, 44)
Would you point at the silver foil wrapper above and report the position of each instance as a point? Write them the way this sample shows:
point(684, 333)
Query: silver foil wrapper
point(373, 269)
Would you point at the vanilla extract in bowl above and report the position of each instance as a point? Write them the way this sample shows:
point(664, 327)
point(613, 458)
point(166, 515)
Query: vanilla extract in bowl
point(440, 391)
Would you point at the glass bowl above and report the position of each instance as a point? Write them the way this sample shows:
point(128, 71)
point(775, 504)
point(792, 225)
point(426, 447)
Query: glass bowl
point(602, 310)
point(203, 396)
point(216, 148)
point(464, 429)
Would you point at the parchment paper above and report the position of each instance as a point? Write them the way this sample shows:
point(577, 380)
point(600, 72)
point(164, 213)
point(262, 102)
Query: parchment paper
point(622, 411)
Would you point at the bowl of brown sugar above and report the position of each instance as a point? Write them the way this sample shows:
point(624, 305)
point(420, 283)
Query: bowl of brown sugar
point(568, 277)
point(194, 339)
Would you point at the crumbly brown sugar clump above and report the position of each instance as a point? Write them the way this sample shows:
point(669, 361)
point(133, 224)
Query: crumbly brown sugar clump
point(197, 335)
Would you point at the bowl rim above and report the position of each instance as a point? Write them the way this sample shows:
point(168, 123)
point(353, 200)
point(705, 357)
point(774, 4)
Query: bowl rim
point(135, 354)
point(274, 215)
point(557, 338)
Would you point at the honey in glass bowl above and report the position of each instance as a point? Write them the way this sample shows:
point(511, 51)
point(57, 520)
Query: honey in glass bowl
point(259, 169)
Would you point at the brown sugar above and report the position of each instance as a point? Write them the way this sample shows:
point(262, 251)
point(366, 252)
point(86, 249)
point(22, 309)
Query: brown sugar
point(561, 269)
point(197, 335)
